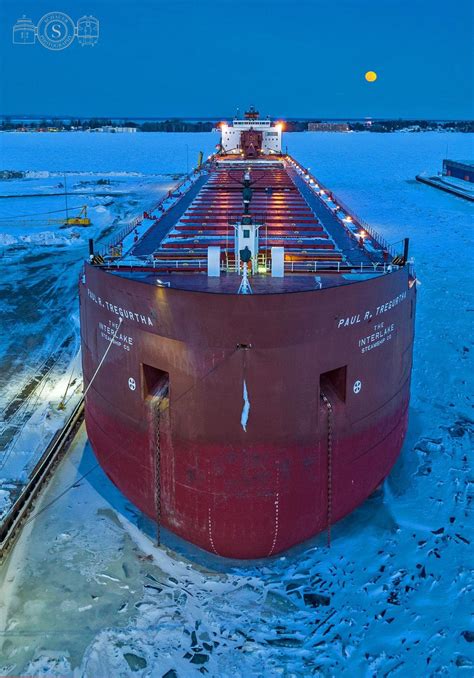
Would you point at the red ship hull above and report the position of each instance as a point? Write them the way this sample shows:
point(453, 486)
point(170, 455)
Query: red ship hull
point(245, 459)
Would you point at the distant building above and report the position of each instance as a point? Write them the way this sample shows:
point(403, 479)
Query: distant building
point(113, 128)
point(328, 127)
point(460, 170)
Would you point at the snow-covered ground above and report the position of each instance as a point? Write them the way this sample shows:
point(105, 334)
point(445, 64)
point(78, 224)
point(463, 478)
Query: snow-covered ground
point(86, 592)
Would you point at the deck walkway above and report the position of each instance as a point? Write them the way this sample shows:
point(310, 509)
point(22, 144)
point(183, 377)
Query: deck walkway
point(354, 254)
point(159, 230)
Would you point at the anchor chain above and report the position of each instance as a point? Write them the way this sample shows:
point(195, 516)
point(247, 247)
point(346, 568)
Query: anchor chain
point(157, 420)
point(329, 464)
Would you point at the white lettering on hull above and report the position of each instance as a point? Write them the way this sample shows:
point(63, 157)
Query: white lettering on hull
point(368, 314)
point(379, 336)
point(126, 313)
point(122, 340)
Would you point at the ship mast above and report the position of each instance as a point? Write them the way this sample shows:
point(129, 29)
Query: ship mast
point(245, 287)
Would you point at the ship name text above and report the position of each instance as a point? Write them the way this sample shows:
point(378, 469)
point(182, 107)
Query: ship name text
point(369, 314)
point(118, 310)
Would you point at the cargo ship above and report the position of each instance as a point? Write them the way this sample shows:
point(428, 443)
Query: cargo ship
point(247, 352)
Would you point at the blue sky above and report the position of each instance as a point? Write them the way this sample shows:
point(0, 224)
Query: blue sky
point(291, 58)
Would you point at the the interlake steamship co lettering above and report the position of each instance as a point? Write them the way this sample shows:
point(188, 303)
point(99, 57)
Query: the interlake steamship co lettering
point(379, 336)
point(118, 310)
point(110, 331)
point(368, 315)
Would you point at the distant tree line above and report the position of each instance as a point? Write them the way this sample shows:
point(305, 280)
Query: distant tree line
point(180, 125)
point(171, 125)
point(177, 125)
point(415, 125)
point(70, 124)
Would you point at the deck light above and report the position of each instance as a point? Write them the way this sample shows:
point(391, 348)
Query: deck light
point(162, 283)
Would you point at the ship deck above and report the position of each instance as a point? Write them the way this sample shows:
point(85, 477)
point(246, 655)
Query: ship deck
point(324, 244)
point(228, 283)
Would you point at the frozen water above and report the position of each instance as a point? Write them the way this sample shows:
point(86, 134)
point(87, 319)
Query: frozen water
point(391, 596)
point(146, 153)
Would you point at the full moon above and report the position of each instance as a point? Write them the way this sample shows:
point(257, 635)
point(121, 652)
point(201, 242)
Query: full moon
point(371, 76)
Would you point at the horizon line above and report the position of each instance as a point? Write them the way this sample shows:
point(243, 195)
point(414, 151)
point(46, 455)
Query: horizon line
point(188, 118)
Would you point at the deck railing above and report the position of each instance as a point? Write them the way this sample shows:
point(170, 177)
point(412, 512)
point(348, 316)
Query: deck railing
point(302, 267)
point(358, 221)
point(130, 225)
point(337, 267)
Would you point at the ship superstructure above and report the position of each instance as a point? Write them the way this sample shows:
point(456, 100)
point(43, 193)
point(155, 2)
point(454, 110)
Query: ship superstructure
point(251, 136)
point(259, 342)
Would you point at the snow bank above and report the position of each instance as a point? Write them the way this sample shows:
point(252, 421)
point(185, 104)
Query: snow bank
point(44, 238)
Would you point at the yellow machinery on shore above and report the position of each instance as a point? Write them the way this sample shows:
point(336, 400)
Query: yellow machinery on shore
point(81, 220)
point(67, 222)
